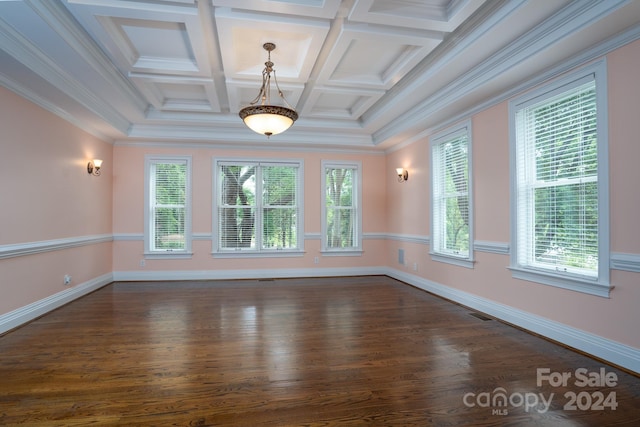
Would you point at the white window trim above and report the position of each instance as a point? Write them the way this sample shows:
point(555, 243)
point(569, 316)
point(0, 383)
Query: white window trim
point(599, 286)
point(354, 250)
point(257, 252)
point(438, 139)
point(185, 253)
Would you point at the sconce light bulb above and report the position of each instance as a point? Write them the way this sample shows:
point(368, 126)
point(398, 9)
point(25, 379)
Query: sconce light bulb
point(403, 174)
point(93, 167)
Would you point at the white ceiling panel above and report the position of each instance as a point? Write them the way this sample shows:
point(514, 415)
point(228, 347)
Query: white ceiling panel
point(436, 15)
point(368, 56)
point(242, 36)
point(159, 37)
point(340, 103)
point(177, 93)
point(362, 74)
point(137, 39)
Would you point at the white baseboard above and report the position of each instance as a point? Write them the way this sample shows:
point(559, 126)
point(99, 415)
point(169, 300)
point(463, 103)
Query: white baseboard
point(32, 311)
point(121, 276)
point(612, 351)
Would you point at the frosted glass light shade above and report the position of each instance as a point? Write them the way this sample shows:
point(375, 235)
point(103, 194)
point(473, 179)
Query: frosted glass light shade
point(403, 174)
point(268, 119)
point(93, 167)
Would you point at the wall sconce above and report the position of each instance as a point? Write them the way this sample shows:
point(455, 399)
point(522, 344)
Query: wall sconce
point(403, 174)
point(93, 167)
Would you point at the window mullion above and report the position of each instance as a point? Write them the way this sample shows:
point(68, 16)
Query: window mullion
point(267, 206)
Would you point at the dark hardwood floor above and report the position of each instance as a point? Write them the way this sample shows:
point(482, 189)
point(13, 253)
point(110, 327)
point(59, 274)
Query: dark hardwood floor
point(294, 352)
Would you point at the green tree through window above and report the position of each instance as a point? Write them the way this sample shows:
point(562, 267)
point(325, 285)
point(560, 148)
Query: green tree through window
point(451, 232)
point(340, 208)
point(558, 180)
point(168, 215)
point(237, 214)
point(258, 206)
point(341, 230)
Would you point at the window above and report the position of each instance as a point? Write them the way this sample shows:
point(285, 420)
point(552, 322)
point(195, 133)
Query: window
point(341, 223)
point(451, 228)
point(168, 206)
point(258, 206)
point(560, 234)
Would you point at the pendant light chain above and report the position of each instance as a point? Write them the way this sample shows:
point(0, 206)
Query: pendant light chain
point(265, 118)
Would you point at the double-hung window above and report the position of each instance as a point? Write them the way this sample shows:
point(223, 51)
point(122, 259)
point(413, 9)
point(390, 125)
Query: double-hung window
point(559, 184)
point(451, 195)
point(168, 206)
point(341, 212)
point(258, 206)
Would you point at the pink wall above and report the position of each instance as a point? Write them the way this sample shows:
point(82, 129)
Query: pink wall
point(490, 185)
point(129, 199)
point(624, 147)
point(407, 202)
point(47, 194)
point(616, 318)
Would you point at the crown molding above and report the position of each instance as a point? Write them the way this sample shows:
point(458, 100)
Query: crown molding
point(591, 54)
point(58, 18)
point(452, 46)
point(36, 61)
point(572, 18)
point(238, 133)
point(44, 103)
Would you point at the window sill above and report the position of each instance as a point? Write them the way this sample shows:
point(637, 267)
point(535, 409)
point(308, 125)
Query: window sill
point(461, 262)
point(586, 285)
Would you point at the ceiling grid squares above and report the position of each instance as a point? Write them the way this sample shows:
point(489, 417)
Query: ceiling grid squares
point(186, 67)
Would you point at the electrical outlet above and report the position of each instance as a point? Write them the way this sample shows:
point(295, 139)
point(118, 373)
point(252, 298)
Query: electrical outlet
point(142, 263)
point(316, 260)
point(67, 279)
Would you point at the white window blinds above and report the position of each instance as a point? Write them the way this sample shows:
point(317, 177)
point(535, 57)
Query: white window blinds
point(168, 208)
point(340, 208)
point(237, 206)
point(279, 207)
point(557, 181)
point(258, 206)
point(450, 195)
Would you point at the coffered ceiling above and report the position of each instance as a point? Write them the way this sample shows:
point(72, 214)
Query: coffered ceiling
point(362, 74)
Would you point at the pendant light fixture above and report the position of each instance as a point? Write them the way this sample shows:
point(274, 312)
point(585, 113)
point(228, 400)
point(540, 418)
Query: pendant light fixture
point(262, 117)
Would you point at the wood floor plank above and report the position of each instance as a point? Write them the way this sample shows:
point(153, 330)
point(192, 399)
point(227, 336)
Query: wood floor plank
point(288, 352)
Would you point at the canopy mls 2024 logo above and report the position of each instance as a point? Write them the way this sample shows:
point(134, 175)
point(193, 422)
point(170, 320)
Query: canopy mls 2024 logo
point(500, 401)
